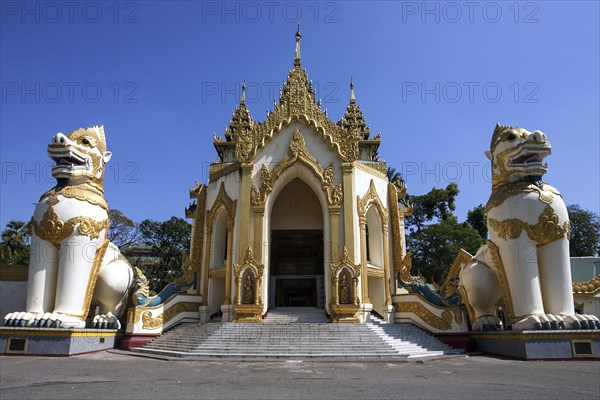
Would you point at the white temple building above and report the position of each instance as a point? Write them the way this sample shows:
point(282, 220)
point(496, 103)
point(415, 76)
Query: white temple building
point(298, 212)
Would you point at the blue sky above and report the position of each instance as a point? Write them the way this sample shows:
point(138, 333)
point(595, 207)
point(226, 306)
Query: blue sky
point(432, 77)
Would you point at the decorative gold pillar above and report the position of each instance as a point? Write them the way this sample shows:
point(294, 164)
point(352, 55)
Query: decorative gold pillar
point(245, 204)
point(334, 219)
point(228, 261)
point(238, 290)
point(349, 210)
point(259, 214)
point(363, 259)
point(207, 255)
point(386, 265)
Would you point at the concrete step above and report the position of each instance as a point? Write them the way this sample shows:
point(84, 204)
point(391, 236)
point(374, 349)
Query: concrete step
point(304, 340)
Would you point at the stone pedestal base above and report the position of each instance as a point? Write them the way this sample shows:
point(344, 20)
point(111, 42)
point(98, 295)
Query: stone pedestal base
point(389, 314)
point(364, 312)
point(540, 345)
point(228, 313)
point(56, 342)
point(204, 314)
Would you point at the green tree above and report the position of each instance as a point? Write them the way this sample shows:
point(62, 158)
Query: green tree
point(585, 232)
point(477, 218)
point(393, 175)
point(123, 232)
point(435, 235)
point(14, 249)
point(169, 241)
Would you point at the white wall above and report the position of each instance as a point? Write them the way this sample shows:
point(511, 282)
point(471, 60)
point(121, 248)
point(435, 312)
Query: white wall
point(296, 207)
point(12, 296)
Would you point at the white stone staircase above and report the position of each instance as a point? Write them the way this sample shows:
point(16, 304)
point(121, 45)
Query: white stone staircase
point(301, 339)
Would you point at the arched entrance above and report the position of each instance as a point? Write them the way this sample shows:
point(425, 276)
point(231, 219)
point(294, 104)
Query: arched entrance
point(296, 252)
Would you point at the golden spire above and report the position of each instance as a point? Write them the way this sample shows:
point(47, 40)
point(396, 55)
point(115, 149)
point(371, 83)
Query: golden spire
point(297, 55)
point(353, 120)
point(243, 97)
point(352, 97)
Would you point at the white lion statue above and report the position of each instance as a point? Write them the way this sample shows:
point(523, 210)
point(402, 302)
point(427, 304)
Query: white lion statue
point(73, 265)
point(525, 265)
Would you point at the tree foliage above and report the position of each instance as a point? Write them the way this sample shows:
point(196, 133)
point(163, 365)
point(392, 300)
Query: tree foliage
point(14, 249)
point(123, 232)
point(169, 241)
point(435, 235)
point(585, 232)
point(477, 218)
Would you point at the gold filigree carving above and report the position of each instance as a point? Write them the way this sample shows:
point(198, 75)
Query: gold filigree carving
point(372, 198)
point(345, 268)
point(87, 192)
point(588, 287)
point(153, 323)
point(297, 152)
point(442, 323)
point(198, 192)
point(252, 270)
point(217, 273)
point(375, 272)
point(546, 193)
point(546, 230)
point(219, 170)
point(53, 230)
point(95, 270)
point(297, 103)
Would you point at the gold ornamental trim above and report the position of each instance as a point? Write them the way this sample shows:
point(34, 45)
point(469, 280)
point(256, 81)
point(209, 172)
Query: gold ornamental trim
point(219, 170)
point(153, 323)
point(442, 323)
point(53, 230)
point(546, 230)
point(199, 192)
point(89, 293)
point(297, 153)
point(297, 102)
point(249, 290)
point(14, 274)
point(375, 271)
point(87, 192)
point(372, 198)
point(336, 271)
point(377, 169)
point(217, 272)
point(498, 267)
point(546, 193)
point(591, 286)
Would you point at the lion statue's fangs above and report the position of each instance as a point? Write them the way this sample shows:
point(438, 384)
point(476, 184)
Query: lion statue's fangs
point(73, 266)
point(525, 266)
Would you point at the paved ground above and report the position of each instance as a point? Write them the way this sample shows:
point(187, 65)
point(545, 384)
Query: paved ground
point(115, 376)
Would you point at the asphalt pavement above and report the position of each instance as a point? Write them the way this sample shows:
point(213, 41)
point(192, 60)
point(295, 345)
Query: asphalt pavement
point(110, 375)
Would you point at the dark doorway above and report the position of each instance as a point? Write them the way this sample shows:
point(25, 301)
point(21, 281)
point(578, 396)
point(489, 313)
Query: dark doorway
point(296, 267)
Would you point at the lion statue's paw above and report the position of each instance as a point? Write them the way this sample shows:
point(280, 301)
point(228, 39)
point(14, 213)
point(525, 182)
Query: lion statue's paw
point(487, 323)
point(57, 320)
point(581, 321)
point(19, 318)
point(106, 321)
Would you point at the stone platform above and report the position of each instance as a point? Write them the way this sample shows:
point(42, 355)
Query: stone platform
point(55, 342)
point(541, 345)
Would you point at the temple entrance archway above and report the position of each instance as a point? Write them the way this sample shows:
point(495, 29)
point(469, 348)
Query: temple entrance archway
point(296, 276)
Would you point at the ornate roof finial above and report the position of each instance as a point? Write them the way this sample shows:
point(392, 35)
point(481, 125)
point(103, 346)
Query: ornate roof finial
point(297, 55)
point(353, 120)
point(241, 120)
point(243, 97)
